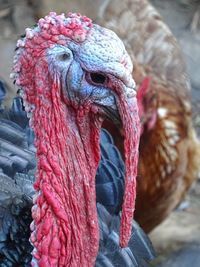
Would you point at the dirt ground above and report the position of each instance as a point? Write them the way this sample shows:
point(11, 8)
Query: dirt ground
point(177, 239)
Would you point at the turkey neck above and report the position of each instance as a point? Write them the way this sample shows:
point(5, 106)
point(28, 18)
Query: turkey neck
point(65, 217)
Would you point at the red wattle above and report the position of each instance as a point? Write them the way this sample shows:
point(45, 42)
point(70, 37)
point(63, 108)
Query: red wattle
point(128, 110)
point(67, 143)
point(131, 127)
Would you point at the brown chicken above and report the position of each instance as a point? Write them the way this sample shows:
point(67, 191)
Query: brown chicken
point(169, 149)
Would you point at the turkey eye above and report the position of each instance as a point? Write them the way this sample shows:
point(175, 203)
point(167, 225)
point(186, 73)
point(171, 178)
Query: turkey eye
point(97, 78)
point(64, 56)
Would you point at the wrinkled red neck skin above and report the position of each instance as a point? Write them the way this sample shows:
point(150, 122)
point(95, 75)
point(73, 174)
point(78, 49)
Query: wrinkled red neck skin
point(65, 217)
point(67, 141)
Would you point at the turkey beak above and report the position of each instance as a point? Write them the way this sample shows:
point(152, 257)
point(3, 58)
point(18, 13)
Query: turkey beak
point(112, 112)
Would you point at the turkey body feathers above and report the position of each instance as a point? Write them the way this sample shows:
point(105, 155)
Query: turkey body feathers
point(17, 163)
point(15, 248)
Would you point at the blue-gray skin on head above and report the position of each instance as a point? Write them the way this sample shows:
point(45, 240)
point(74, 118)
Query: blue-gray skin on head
point(85, 67)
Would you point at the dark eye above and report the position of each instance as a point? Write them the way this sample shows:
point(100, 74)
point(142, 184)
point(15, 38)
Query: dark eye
point(64, 56)
point(97, 78)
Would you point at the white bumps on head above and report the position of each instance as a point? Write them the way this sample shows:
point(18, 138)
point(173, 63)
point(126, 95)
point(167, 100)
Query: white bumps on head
point(12, 75)
point(20, 43)
point(29, 33)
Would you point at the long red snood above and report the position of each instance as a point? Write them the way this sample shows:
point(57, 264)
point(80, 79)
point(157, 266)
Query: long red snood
point(128, 110)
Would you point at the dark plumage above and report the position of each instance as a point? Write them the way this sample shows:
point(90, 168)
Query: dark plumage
point(15, 206)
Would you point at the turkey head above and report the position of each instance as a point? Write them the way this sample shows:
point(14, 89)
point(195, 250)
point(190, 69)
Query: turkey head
point(73, 74)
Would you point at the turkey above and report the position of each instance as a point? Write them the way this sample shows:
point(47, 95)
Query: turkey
point(169, 149)
point(72, 74)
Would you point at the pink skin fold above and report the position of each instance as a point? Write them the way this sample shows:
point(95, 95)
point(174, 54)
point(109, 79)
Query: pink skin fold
point(128, 110)
point(66, 219)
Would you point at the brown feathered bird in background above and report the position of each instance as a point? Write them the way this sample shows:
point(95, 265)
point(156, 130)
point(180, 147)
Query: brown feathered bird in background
point(169, 149)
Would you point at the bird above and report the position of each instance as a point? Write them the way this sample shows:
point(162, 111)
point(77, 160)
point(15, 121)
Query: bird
point(169, 150)
point(163, 86)
point(71, 74)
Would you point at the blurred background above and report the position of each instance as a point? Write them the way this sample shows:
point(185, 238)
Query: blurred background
point(177, 239)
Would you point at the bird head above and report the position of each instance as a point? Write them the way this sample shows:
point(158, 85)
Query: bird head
point(73, 74)
point(88, 61)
